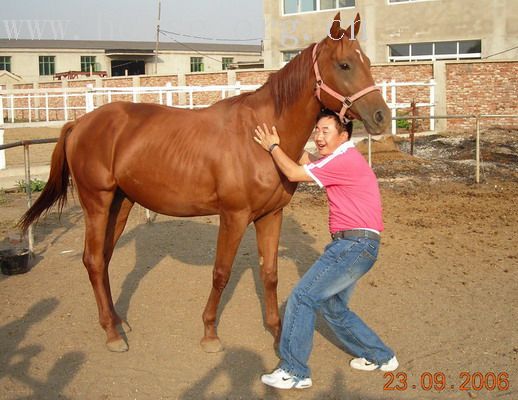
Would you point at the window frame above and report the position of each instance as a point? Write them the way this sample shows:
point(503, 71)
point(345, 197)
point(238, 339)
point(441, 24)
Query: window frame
point(51, 63)
point(318, 9)
point(434, 56)
point(87, 64)
point(201, 64)
point(225, 62)
point(6, 63)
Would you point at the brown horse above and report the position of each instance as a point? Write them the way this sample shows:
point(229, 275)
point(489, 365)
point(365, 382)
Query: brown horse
point(205, 162)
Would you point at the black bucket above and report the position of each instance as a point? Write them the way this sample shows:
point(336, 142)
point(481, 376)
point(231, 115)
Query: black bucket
point(14, 261)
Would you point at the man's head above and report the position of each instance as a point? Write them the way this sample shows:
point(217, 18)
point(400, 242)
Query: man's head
point(330, 132)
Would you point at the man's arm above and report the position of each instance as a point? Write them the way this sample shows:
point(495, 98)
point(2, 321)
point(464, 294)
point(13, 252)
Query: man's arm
point(270, 142)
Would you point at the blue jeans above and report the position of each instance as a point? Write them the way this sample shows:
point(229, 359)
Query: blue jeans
point(327, 286)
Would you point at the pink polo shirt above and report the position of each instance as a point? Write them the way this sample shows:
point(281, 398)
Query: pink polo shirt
point(352, 189)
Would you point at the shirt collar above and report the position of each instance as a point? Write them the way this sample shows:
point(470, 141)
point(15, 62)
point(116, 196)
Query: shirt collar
point(344, 147)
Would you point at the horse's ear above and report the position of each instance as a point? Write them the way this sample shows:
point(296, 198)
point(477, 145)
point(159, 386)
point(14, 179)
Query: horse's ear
point(356, 24)
point(336, 32)
point(357, 21)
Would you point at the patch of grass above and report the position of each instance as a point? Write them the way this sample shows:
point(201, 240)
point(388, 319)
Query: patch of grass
point(37, 185)
point(3, 197)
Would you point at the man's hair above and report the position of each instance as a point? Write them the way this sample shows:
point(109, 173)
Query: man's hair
point(341, 127)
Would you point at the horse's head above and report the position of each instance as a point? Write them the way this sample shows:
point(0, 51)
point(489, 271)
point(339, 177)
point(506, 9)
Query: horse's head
point(344, 80)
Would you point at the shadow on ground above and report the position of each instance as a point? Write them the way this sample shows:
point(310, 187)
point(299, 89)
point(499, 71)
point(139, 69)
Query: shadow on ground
point(17, 360)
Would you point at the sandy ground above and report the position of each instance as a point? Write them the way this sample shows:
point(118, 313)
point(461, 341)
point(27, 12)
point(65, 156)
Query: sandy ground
point(443, 295)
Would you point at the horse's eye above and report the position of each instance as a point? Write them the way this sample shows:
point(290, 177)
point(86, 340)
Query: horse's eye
point(344, 66)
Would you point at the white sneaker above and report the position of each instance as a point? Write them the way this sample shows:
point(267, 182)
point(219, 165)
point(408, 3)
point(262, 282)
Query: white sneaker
point(281, 379)
point(364, 365)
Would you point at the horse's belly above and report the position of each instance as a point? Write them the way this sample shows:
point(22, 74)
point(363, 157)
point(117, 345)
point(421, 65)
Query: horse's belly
point(171, 198)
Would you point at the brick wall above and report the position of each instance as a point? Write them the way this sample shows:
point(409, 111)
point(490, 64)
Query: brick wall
point(205, 79)
point(118, 82)
point(471, 87)
point(482, 88)
point(154, 81)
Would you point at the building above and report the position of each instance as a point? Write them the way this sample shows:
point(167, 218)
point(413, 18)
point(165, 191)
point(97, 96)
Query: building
point(397, 30)
point(43, 60)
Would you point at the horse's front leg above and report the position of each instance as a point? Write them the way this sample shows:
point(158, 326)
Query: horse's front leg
point(231, 230)
point(268, 230)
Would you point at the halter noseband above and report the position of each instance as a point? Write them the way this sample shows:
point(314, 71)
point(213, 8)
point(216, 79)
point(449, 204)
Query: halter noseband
point(347, 102)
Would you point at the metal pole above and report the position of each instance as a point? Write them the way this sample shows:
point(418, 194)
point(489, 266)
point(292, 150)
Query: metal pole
point(477, 152)
point(157, 38)
point(26, 160)
point(370, 151)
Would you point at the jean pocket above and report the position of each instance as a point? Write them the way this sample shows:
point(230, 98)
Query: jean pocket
point(368, 255)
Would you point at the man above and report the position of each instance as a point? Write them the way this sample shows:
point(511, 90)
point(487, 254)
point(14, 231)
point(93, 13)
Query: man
point(355, 224)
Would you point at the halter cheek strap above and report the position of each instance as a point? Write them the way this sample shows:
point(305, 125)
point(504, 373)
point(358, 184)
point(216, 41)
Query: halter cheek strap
point(347, 102)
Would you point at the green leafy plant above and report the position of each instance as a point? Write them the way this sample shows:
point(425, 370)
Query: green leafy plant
point(37, 185)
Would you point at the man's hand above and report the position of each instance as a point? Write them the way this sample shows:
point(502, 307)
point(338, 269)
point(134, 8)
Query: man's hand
point(265, 138)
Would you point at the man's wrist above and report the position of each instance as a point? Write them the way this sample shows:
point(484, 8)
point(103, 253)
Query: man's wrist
point(273, 146)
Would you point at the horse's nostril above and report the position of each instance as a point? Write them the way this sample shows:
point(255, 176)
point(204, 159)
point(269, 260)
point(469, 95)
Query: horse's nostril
point(379, 117)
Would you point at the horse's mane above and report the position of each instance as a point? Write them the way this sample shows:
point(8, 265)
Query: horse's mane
point(287, 84)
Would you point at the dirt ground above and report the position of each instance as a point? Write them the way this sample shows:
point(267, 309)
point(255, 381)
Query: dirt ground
point(443, 294)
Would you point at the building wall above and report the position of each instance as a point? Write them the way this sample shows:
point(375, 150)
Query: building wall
point(494, 22)
point(25, 63)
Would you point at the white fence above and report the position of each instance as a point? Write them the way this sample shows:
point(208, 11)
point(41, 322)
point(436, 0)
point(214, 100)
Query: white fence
point(38, 104)
point(394, 105)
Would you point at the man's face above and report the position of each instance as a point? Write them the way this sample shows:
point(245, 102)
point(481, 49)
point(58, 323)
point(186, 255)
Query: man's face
point(327, 137)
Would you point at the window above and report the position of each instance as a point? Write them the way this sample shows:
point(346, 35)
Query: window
point(5, 63)
point(287, 56)
point(47, 65)
point(300, 6)
point(225, 62)
point(452, 50)
point(86, 62)
point(196, 64)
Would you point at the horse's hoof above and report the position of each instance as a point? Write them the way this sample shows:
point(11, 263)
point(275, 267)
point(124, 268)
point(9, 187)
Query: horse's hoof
point(117, 346)
point(211, 345)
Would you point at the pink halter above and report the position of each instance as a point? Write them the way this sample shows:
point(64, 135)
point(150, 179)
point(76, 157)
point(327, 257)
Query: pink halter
point(347, 102)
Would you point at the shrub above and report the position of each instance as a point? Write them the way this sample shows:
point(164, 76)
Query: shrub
point(37, 185)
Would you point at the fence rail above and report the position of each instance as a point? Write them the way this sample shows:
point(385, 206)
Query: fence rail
point(67, 103)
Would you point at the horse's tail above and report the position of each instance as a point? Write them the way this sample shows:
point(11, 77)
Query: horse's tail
point(56, 188)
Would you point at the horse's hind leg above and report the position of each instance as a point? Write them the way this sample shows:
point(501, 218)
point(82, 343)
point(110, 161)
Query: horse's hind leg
point(119, 212)
point(268, 229)
point(231, 230)
point(99, 221)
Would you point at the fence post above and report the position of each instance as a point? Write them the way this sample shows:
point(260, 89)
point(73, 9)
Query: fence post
point(27, 163)
point(12, 108)
point(384, 90)
point(89, 98)
point(432, 106)
point(1, 110)
point(393, 103)
point(29, 106)
point(65, 106)
point(47, 106)
point(477, 151)
point(168, 94)
point(2, 152)
point(238, 88)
